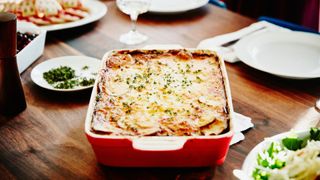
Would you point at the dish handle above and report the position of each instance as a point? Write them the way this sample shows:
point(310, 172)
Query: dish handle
point(158, 144)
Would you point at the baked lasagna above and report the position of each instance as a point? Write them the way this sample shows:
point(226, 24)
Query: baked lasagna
point(161, 93)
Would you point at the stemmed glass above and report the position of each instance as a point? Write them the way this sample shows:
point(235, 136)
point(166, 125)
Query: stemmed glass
point(133, 8)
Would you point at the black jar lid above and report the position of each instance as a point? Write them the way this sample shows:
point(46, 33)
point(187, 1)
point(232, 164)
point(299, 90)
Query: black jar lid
point(8, 35)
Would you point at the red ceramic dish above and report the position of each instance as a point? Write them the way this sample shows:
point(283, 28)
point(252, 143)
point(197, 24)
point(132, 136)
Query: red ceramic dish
point(158, 151)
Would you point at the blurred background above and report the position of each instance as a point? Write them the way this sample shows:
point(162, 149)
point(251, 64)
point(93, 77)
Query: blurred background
point(302, 12)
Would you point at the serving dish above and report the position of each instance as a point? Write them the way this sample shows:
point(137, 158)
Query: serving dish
point(55, 15)
point(34, 49)
point(159, 151)
point(250, 161)
point(96, 11)
point(175, 6)
point(293, 55)
point(75, 62)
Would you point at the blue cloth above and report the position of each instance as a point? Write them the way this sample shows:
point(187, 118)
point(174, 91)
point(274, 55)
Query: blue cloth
point(218, 3)
point(286, 24)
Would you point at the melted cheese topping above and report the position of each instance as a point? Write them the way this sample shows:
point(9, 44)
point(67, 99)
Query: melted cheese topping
point(161, 93)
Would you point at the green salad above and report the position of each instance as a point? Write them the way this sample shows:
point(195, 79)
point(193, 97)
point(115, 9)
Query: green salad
point(65, 77)
point(291, 158)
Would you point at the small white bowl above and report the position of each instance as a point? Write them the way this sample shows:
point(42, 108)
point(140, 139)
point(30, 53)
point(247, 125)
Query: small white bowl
point(251, 160)
point(34, 49)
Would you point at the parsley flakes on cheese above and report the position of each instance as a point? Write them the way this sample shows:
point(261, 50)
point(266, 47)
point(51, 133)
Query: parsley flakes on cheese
point(161, 93)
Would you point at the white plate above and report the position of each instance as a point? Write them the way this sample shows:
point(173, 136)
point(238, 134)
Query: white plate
point(251, 160)
point(175, 6)
point(75, 62)
point(96, 11)
point(294, 55)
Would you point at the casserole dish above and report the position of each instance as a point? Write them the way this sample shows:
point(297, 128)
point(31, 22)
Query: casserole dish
point(162, 150)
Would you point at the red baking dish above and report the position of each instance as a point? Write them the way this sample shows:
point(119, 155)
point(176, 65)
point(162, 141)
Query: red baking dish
point(158, 151)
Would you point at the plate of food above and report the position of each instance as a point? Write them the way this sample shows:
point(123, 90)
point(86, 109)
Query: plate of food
point(175, 6)
point(149, 106)
point(293, 55)
point(54, 15)
point(290, 155)
point(66, 73)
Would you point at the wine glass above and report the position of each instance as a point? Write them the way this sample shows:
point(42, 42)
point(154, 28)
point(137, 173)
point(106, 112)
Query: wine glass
point(133, 8)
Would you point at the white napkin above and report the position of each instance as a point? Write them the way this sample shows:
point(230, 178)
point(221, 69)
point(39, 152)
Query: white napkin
point(227, 53)
point(240, 123)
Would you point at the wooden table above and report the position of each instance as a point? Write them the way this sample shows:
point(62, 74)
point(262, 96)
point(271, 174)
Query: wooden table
point(47, 140)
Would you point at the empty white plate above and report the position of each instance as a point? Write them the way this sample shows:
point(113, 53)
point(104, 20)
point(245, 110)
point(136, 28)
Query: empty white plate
point(175, 6)
point(75, 62)
point(294, 55)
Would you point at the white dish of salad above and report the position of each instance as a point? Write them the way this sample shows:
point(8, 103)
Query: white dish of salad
point(290, 155)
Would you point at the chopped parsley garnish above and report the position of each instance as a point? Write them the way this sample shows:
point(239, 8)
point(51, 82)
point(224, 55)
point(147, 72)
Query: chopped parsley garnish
point(64, 77)
point(127, 107)
point(197, 71)
point(61, 73)
point(86, 82)
point(198, 79)
point(67, 84)
point(85, 68)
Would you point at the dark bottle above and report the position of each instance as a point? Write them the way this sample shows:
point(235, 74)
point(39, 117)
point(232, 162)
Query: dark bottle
point(12, 100)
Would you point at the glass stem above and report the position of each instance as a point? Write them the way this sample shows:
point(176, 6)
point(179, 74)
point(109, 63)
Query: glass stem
point(134, 17)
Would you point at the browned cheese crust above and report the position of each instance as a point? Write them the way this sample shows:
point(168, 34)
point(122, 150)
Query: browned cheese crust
point(161, 93)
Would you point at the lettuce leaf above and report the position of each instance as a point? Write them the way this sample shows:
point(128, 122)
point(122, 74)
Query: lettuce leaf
point(293, 143)
point(315, 134)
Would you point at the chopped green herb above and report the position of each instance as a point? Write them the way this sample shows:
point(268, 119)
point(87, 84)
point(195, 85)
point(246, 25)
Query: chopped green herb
point(268, 159)
point(127, 107)
point(64, 77)
point(85, 67)
point(140, 88)
point(197, 71)
point(61, 73)
point(198, 79)
point(260, 174)
point(278, 164)
point(272, 153)
point(86, 82)
point(67, 84)
point(262, 162)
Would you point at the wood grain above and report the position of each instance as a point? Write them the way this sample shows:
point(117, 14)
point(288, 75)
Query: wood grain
point(47, 140)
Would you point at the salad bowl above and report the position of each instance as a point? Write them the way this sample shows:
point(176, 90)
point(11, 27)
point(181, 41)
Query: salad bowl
point(283, 156)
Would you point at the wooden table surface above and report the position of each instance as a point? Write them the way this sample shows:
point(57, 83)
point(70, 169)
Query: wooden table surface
point(47, 140)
